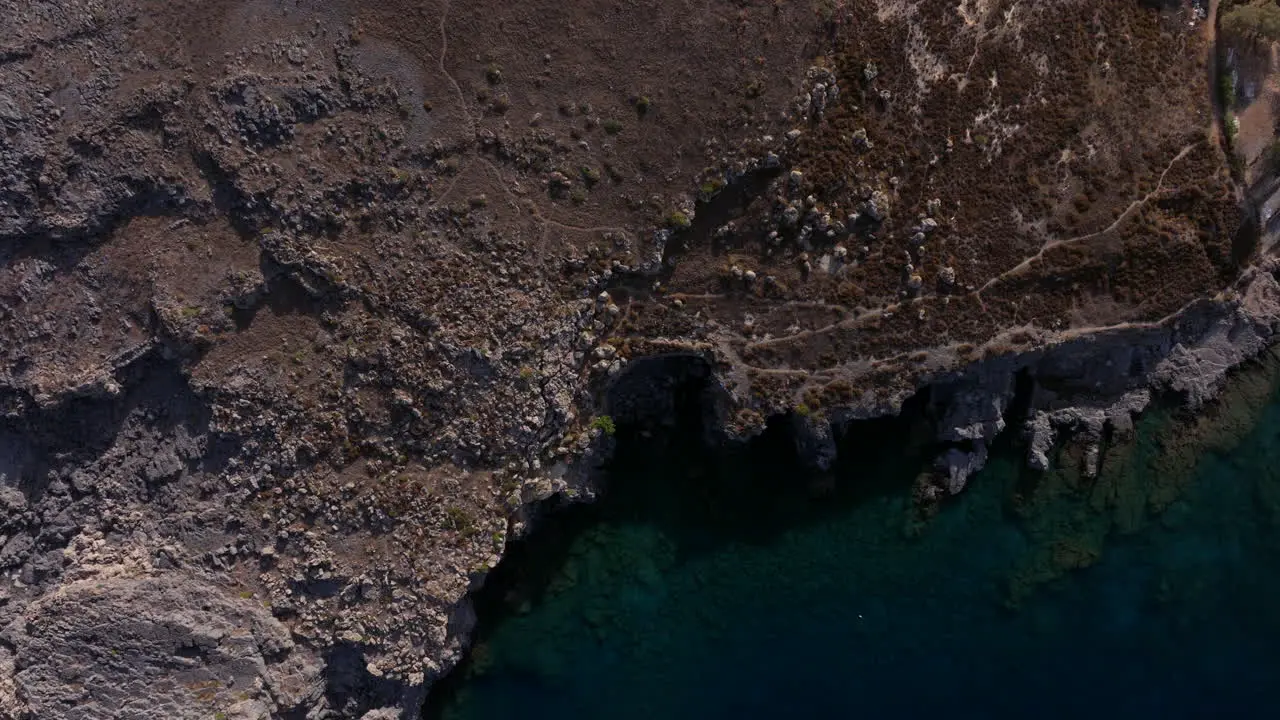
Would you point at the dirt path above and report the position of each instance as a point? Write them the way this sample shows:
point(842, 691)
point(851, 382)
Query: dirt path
point(849, 322)
point(1133, 206)
point(1210, 32)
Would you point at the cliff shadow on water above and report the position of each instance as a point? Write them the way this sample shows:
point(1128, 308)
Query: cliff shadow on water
point(723, 579)
point(673, 469)
point(673, 473)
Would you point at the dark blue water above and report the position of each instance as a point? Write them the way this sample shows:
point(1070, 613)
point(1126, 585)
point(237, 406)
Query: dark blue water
point(1152, 591)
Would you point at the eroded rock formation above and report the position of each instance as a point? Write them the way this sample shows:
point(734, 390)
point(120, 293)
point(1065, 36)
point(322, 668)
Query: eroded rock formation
point(302, 303)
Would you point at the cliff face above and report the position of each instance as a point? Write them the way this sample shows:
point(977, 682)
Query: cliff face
point(1023, 201)
point(303, 303)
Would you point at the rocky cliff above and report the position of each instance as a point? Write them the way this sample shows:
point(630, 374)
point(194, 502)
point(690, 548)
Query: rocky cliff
point(303, 303)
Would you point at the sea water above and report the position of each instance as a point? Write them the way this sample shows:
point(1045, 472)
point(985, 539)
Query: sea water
point(698, 590)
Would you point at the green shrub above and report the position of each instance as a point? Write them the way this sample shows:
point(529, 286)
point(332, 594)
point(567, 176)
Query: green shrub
point(1227, 89)
point(459, 519)
point(604, 423)
point(1231, 128)
point(1262, 20)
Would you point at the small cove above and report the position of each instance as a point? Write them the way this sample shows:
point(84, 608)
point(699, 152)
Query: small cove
point(714, 586)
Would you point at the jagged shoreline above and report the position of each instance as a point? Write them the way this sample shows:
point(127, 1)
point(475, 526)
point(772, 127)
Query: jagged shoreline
point(1084, 387)
point(1081, 387)
point(300, 317)
point(1087, 390)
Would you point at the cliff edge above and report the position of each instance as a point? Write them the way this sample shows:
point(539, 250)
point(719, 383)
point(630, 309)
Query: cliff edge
point(303, 303)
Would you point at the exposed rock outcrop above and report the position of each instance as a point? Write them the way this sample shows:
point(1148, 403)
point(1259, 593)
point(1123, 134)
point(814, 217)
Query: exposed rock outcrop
point(166, 643)
point(304, 305)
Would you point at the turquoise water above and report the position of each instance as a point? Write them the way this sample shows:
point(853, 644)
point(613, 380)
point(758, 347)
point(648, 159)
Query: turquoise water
point(739, 590)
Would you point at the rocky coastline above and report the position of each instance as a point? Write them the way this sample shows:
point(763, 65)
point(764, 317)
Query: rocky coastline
point(306, 308)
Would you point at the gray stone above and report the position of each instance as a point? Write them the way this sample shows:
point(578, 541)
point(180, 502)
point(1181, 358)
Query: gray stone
point(168, 644)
